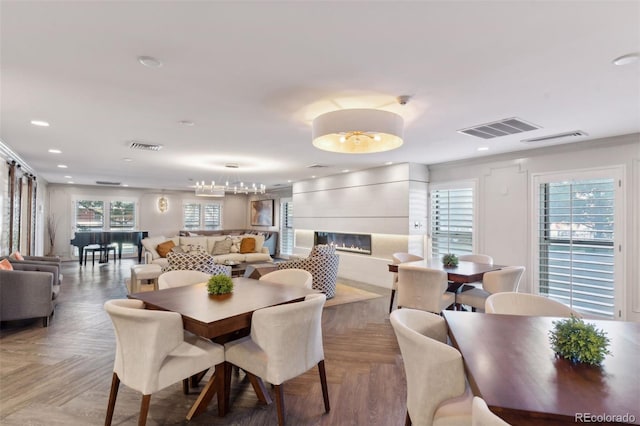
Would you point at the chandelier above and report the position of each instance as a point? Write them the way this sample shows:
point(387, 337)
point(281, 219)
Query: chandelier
point(358, 131)
point(219, 190)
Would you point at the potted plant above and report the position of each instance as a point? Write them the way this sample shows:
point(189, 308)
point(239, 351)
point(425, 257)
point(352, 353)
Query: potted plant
point(578, 341)
point(219, 284)
point(450, 260)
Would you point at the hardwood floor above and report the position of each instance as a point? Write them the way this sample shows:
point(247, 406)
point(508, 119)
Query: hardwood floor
point(61, 375)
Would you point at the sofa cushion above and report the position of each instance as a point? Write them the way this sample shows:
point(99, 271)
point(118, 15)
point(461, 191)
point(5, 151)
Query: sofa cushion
point(151, 243)
point(164, 248)
point(5, 265)
point(222, 247)
point(257, 257)
point(248, 245)
point(193, 241)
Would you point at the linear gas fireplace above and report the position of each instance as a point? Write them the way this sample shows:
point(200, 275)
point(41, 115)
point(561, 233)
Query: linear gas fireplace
point(354, 243)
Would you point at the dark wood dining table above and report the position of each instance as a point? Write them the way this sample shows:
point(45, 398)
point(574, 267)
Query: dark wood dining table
point(466, 272)
point(219, 317)
point(510, 364)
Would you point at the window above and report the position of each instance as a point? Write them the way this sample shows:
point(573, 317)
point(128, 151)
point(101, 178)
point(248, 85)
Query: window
point(89, 215)
point(122, 215)
point(452, 220)
point(202, 216)
point(576, 247)
point(286, 227)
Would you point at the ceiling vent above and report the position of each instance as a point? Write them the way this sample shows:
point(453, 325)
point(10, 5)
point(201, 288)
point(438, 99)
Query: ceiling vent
point(317, 166)
point(104, 182)
point(145, 146)
point(508, 126)
point(573, 134)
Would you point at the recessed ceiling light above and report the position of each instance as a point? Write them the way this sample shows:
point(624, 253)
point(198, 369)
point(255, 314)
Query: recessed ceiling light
point(70, 181)
point(68, 177)
point(125, 184)
point(313, 177)
point(62, 166)
point(483, 148)
point(127, 159)
point(55, 151)
point(149, 61)
point(187, 123)
point(627, 59)
point(388, 163)
point(345, 171)
point(40, 123)
point(289, 181)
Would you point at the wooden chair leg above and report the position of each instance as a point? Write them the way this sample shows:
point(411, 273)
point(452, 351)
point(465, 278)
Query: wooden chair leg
point(323, 383)
point(258, 387)
point(393, 294)
point(280, 403)
point(407, 420)
point(115, 384)
point(185, 386)
point(206, 395)
point(144, 410)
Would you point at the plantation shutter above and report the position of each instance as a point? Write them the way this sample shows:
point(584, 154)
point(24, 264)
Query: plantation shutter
point(452, 221)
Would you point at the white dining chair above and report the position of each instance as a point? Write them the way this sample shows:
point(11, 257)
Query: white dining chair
point(153, 352)
point(285, 342)
point(505, 279)
point(423, 288)
point(482, 416)
point(437, 393)
point(398, 258)
point(511, 303)
point(476, 258)
point(298, 277)
point(181, 278)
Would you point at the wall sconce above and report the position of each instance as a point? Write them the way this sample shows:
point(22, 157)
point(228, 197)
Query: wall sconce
point(163, 204)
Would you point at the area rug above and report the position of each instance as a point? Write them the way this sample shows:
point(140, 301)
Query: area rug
point(348, 294)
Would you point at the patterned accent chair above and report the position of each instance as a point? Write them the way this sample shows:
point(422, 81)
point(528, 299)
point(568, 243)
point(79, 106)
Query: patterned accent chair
point(202, 262)
point(323, 264)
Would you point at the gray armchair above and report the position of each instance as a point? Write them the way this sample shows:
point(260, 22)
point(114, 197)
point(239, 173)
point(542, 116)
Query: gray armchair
point(37, 261)
point(28, 292)
point(323, 264)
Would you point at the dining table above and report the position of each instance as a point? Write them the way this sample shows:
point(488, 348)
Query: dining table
point(510, 363)
point(220, 318)
point(465, 272)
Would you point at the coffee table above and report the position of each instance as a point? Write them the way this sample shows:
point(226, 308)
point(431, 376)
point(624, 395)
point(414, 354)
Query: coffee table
point(240, 269)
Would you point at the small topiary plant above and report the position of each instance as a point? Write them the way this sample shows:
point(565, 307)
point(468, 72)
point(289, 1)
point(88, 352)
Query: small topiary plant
point(220, 284)
point(450, 259)
point(578, 341)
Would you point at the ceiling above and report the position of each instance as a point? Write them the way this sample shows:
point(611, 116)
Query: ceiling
point(252, 76)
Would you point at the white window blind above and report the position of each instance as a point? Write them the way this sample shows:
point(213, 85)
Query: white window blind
point(576, 244)
point(89, 215)
point(286, 228)
point(191, 215)
point(122, 215)
point(212, 214)
point(452, 221)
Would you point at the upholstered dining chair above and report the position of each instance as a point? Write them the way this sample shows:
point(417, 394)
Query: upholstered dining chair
point(476, 258)
point(153, 352)
point(512, 303)
point(397, 259)
point(423, 288)
point(436, 388)
point(505, 279)
point(298, 277)
point(171, 279)
point(482, 416)
point(285, 342)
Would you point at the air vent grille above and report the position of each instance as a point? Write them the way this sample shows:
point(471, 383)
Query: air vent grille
point(104, 182)
point(573, 134)
point(145, 146)
point(508, 126)
point(317, 166)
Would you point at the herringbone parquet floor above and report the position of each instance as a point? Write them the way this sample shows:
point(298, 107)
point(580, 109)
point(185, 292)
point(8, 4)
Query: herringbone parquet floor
point(61, 375)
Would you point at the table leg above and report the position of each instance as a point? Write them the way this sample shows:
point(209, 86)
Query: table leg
point(206, 395)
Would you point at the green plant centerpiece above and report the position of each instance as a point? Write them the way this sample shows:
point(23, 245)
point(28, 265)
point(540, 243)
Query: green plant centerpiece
point(450, 260)
point(578, 341)
point(219, 284)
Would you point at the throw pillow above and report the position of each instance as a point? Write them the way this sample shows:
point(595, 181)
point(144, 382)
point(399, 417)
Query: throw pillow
point(177, 249)
point(222, 247)
point(248, 245)
point(165, 248)
point(193, 249)
point(16, 256)
point(6, 265)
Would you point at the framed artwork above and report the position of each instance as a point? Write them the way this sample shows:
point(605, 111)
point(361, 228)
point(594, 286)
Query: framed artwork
point(262, 213)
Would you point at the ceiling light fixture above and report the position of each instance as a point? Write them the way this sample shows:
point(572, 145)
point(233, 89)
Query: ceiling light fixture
point(62, 166)
point(358, 131)
point(149, 61)
point(627, 59)
point(55, 151)
point(234, 186)
point(39, 123)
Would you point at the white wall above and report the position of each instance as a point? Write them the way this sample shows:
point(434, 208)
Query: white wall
point(505, 200)
point(387, 202)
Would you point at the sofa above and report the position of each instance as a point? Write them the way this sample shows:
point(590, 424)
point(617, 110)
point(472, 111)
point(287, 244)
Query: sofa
point(223, 248)
point(28, 291)
point(53, 261)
